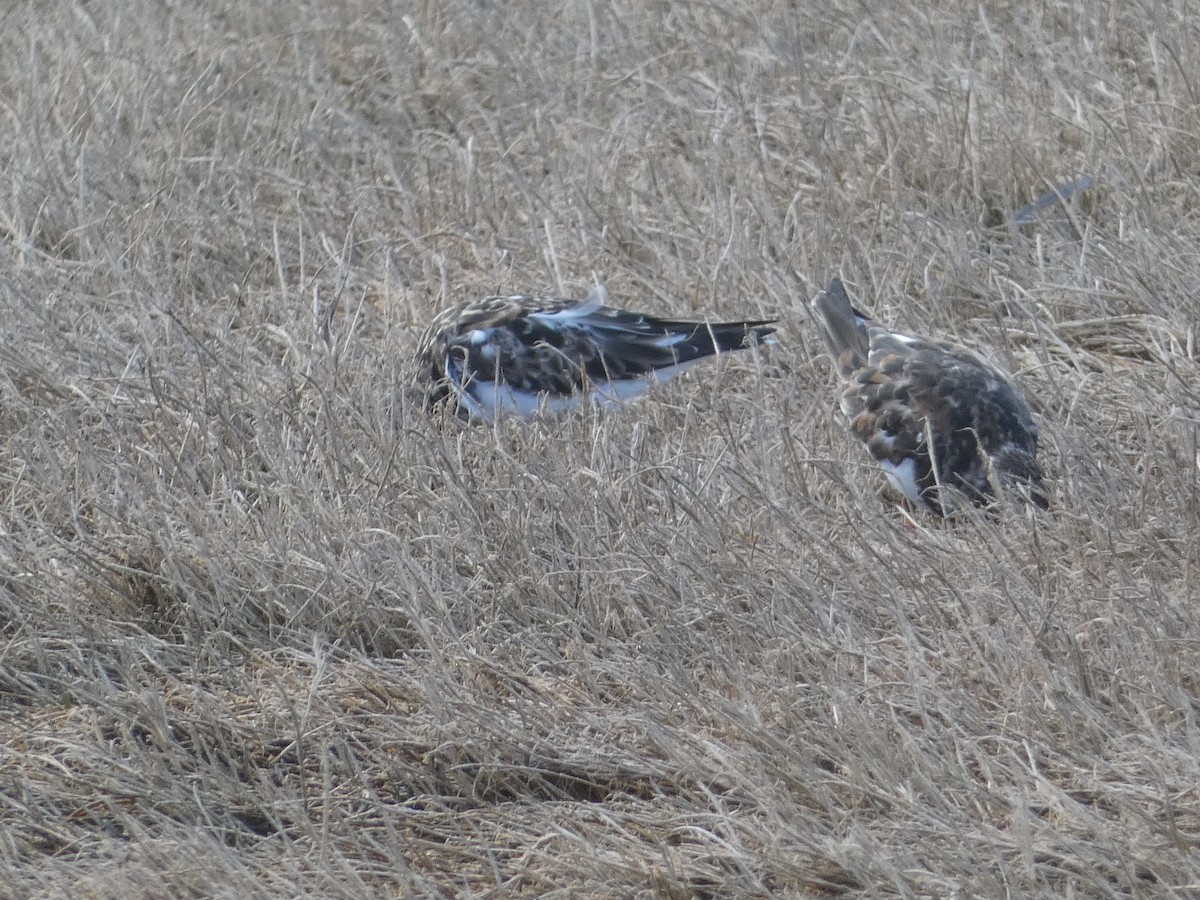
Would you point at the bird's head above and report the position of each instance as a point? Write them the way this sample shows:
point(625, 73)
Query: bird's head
point(1018, 471)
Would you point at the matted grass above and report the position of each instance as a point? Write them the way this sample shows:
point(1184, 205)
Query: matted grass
point(267, 631)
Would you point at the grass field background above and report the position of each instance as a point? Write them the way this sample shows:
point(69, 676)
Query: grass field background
point(267, 631)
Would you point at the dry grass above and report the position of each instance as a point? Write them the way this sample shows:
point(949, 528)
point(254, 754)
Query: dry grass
point(268, 632)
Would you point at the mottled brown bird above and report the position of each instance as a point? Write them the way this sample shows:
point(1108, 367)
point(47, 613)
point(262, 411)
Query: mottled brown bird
point(516, 355)
point(944, 424)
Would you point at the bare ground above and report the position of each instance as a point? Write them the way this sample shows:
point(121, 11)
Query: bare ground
point(269, 632)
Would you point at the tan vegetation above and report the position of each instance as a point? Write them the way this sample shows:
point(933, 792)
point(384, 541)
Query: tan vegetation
point(269, 632)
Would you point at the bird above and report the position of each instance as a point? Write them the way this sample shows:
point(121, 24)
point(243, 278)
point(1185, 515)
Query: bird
point(945, 425)
point(520, 354)
point(1028, 214)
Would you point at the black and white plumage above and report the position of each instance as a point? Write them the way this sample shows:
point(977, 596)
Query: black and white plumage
point(942, 422)
point(515, 355)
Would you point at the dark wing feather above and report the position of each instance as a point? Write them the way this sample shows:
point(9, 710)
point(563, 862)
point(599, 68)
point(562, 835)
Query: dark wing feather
point(607, 344)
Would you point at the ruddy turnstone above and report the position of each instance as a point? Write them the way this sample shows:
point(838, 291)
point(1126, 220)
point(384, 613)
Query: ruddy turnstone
point(1028, 214)
point(943, 423)
point(512, 355)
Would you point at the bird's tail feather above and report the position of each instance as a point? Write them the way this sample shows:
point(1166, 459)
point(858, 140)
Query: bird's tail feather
point(738, 335)
point(694, 340)
point(845, 329)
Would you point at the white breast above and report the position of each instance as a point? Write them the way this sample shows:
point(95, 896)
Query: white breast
point(903, 477)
